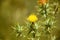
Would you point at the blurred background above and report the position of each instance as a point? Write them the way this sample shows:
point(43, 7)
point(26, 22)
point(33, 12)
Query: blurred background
point(13, 11)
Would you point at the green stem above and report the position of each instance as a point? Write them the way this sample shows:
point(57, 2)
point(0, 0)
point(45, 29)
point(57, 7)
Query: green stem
point(32, 29)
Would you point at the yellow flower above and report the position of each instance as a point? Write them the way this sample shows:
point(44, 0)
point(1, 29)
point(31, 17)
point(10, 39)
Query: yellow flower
point(32, 18)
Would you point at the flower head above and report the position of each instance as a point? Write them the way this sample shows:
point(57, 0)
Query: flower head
point(32, 18)
point(42, 1)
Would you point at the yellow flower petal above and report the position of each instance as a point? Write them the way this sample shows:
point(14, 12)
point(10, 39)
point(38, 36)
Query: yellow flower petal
point(32, 18)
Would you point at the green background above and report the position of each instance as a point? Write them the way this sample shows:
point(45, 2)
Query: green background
point(13, 11)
